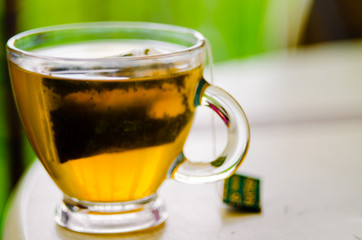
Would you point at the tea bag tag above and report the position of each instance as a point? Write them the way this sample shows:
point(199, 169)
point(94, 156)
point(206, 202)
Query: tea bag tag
point(242, 192)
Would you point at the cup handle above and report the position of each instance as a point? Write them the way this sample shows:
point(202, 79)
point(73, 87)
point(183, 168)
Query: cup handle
point(237, 145)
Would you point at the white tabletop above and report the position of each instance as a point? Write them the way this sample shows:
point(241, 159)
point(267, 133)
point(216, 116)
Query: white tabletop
point(305, 110)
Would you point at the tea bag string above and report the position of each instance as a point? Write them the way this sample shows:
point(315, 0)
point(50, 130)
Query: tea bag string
point(211, 80)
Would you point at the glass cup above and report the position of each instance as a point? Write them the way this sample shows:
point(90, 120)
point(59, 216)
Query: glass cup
point(109, 125)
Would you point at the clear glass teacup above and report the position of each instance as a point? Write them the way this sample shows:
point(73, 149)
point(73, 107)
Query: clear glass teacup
point(107, 108)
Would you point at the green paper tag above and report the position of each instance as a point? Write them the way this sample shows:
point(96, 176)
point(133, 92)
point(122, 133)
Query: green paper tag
point(242, 192)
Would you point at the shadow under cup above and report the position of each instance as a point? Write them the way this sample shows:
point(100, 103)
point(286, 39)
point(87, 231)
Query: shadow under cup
point(109, 128)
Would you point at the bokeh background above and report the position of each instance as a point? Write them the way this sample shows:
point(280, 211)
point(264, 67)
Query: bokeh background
point(236, 29)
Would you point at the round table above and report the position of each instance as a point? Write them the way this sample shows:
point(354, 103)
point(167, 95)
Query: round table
point(305, 111)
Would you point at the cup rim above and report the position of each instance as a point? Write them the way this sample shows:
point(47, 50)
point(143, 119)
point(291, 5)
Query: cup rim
point(199, 43)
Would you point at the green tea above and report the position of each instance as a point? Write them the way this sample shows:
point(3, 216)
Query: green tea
point(106, 137)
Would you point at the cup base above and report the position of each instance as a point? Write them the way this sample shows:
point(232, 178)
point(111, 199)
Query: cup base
point(91, 217)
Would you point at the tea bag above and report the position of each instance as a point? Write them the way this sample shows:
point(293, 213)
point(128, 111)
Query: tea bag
point(119, 72)
point(141, 71)
point(140, 52)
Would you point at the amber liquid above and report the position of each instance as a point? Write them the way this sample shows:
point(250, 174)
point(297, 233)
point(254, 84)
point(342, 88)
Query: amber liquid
point(107, 140)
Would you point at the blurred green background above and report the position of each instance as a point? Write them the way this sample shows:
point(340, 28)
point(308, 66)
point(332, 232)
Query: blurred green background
point(235, 28)
point(220, 21)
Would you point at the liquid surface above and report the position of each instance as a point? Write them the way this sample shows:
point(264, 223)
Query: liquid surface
point(107, 140)
point(109, 48)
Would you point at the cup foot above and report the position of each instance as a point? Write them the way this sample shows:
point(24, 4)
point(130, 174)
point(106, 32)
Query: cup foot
point(90, 217)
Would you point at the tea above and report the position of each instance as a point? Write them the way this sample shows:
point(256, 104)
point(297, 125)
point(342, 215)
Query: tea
point(106, 136)
point(107, 107)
